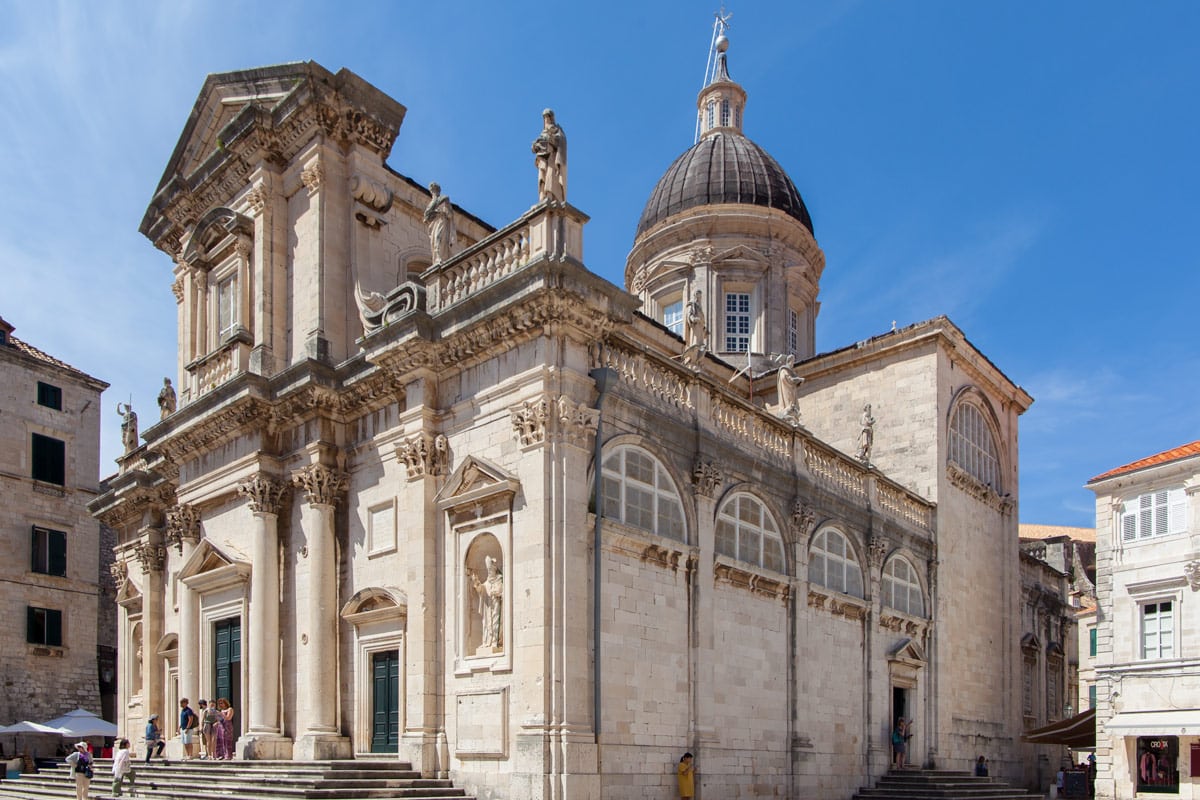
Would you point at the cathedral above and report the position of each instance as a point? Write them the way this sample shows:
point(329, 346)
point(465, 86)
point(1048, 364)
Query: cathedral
point(436, 489)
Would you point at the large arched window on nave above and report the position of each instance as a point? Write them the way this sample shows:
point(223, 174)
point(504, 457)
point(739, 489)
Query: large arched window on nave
point(746, 532)
point(973, 445)
point(901, 589)
point(639, 492)
point(832, 563)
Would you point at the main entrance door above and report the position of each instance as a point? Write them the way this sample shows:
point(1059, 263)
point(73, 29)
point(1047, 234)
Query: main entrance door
point(227, 666)
point(385, 701)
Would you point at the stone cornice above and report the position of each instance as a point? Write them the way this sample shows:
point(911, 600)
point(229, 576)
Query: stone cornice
point(743, 578)
point(211, 429)
point(981, 492)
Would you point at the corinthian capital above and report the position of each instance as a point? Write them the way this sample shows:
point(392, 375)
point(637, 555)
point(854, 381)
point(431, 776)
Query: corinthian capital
point(321, 485)
point(150, 556)
point(183, 525)
point(264, 492)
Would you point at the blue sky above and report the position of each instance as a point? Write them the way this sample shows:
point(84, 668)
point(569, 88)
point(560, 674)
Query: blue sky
point(1028, 169)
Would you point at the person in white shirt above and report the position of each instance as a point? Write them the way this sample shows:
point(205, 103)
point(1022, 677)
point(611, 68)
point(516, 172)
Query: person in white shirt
point(79, 762)
point(122, 768)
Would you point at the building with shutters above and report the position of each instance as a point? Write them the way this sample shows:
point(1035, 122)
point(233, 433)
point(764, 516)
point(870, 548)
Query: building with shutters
point(1147, 659)
point(56, 650)
point(371, 522)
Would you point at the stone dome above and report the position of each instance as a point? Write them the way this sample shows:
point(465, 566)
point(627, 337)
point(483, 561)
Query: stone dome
point(723, 167)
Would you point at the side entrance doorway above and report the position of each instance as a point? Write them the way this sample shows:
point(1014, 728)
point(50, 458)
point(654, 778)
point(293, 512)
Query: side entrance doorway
point(385, 701)
point(227, 667)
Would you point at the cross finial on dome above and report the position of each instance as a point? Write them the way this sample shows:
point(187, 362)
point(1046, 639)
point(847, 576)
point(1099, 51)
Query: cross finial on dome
point(721, 100)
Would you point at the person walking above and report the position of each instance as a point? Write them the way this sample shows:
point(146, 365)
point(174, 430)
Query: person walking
point(188, 723)
point(122, 768)
point(686, 773)
point(154, 741)
point(81, 770)
point(224, 730)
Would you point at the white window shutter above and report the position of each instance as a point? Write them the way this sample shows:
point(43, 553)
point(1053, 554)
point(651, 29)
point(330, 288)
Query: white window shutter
point(1128, 526)
point(1177, 505)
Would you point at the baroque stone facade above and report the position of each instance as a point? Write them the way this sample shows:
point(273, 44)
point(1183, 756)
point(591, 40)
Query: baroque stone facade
point(430, 585)
point(57, 653)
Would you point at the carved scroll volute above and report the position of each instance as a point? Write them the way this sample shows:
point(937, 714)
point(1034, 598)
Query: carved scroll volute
point(266, 494)
point(183, 525)
point(150, 556)
point(120, 573)
point(322, 486)
point(707, 478)
point(877, 549)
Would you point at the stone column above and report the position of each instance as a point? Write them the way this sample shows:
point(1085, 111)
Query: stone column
point(152, 555)
point(317, 714)
point(263, 739)
point(183, 532)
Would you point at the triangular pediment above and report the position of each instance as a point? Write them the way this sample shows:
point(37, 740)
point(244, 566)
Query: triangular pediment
point(740, 253)
point(129, 597)
point(908, 651)
point(224, 96)
point(1030, 641)
point(207, 558)
point(475, 479)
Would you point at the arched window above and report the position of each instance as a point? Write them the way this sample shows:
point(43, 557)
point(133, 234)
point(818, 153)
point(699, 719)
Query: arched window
point(831, 563)
point(901, 589)
point(639, 492)
point(973, 447)
point(746, 531)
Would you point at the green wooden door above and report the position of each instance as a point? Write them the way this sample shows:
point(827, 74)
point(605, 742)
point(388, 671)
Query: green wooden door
point(227, 666)
point(385, 702)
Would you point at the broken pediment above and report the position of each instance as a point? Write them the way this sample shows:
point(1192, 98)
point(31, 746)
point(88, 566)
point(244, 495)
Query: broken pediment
point(741, 254)
point(476, 480)
point(129, 598)
point(209, 568)
point(908, 652)
point(375, 604)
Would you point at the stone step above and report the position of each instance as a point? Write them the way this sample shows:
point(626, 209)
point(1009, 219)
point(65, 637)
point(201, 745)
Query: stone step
point(910, 784)
point(248, 780)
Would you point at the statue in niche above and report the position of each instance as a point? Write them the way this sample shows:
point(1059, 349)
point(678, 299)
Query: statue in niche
point(550, 155)
point(439, 217)
point(166, 399)
point(695, 330)
point(866, 435)
point(129, 426)
point(788, 388)
point(491, 600)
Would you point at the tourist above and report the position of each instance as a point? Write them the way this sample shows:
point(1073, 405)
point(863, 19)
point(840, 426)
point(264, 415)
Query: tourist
point(209, 717)
point(981, 767)
point(81, 769)
point(154, 740)
point(224, 731)
point(188, 722)
point(899, 742)
point(122, 768)
point(686, 772)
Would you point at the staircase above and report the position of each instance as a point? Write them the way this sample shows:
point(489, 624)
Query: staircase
point(245, 780)
point(928, 784)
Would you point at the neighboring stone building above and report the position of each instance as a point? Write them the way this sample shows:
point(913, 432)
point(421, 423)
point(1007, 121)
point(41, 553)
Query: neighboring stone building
point(1148, 626)
point(370, 522)
point(55, 647)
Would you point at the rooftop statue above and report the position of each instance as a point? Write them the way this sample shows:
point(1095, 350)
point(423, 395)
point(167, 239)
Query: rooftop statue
point(550, 151)
point(439, 217)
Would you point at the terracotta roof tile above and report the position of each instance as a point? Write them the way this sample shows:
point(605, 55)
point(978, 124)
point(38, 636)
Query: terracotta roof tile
point(1026, 531)
point(1174, 454)
point(29, 350)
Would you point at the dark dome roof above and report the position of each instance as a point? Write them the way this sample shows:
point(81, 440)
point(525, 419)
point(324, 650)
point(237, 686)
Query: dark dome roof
point(723, 167)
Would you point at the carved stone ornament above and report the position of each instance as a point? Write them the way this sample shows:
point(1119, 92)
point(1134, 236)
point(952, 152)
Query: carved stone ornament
point(322, 486)
point(1192, 571)
point(256, 198)
point(804, 519)
point(424, 454)
point(120, 573)
point(312, 176)
point(177, 289)
point(877, 549)
point(707, 478)
point(150, 556)
point(533, 419)
point(265, 493)
point(183, 525)
point(374, 195)
point(980, 491)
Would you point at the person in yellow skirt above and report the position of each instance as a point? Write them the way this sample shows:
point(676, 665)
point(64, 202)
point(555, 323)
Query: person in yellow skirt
point(687, 777)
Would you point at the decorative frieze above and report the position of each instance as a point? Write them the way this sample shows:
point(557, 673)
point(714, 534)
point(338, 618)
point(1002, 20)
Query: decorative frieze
point(896, 623)
point(534, 419)
point(424, 454)
point(707, 478)
point(855, 610)
point(322, 486)
point(183, 525)
point(265, 493)
point(150, 556)
point(977, 489)
point(724, 572)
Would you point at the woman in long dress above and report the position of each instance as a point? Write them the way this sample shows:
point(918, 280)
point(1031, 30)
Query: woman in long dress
point(224, 730)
